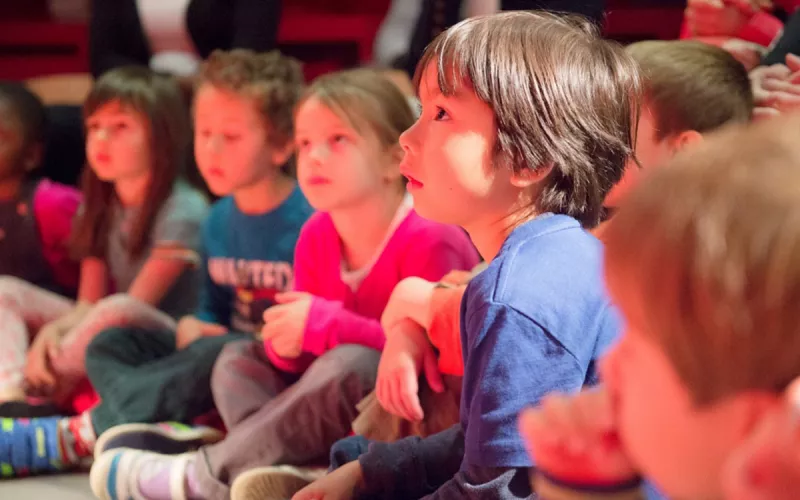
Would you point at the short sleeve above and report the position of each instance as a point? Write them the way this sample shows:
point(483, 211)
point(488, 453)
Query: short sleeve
point(179, 222)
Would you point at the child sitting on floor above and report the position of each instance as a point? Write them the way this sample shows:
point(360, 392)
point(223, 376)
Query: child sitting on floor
point(244, 143)
point(36, 217)
point(701, 259)
point(287, 399)
point(136, 233)
point(523, 183)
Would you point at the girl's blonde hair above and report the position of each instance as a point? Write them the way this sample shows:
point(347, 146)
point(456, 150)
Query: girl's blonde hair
point(158, 99)
point(368, 100)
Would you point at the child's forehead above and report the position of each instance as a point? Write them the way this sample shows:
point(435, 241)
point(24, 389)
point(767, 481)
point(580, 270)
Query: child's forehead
point(448, 82)
point(115, 108)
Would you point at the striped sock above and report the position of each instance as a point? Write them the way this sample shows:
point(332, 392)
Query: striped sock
point(77, 437)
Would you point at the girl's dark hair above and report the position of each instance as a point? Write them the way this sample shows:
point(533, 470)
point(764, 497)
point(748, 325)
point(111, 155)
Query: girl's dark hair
point(158, 99)
point(28, 109)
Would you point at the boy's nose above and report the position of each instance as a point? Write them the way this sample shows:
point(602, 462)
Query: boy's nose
point(319, 153)
point(407, 138)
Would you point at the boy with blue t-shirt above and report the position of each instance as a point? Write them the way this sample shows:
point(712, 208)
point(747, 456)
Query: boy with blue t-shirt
point(526, 149)
point(243, 140)
point(243, 122)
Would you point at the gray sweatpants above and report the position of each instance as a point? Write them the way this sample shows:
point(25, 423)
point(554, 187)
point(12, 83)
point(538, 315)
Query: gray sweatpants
point(277, 418)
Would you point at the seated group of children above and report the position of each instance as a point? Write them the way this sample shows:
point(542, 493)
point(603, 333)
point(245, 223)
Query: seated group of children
point(340, 324)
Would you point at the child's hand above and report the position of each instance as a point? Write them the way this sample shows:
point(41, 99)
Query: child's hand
point(718, 17)
point(285, 323)
point(407, 352)
point(573, 438)
point(767, 465)
point(340, 484)
point(410, 299)
point(191, 329)
point(39, 376)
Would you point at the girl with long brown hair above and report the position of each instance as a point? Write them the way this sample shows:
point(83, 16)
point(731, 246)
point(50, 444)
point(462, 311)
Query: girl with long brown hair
point(136, 236)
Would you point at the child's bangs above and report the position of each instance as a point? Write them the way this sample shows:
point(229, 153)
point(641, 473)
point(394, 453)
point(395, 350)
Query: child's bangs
point(455, 56)
point(132, 95)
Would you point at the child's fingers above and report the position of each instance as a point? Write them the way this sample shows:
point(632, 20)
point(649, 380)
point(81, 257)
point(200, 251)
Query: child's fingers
point(274, 313)
point(781, 86)
point(308, 493)
point(272, 330)
point(560, 419)
point(535, 430)
point(432, 374)
point(396, 399)
point(793, 62)
point(764, 113)
point(213, 329)
point(409, 396)
point(287, 297)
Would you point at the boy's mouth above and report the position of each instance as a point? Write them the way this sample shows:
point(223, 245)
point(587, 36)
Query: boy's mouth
point(412, 182)
point(318, 181)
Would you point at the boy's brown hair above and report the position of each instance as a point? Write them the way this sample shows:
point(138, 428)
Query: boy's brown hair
point(561, 96)
point(691, 85)
point(704, 253)
point(366, 99)
point(274, 81)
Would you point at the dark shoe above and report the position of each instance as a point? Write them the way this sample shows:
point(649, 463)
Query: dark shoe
point(21, 409)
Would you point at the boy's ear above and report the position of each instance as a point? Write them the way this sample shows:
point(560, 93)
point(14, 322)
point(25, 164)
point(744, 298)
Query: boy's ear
point(281, 154)
point(686, 138)
point(32, 157)
point(528, 177)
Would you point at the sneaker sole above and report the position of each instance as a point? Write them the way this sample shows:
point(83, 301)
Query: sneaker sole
point(103, 485)
point(154, 439)
point(270, 483)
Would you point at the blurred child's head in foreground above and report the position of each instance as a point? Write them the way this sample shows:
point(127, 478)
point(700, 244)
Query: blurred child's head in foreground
point(702, 260)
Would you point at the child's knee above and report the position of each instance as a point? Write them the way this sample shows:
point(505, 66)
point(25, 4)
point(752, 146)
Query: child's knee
point(348, 365)
point(10, 288)
point(227, 366)
point(116, 304)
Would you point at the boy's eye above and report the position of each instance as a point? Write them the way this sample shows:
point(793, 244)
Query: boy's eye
point(303, 143)
point(338, 138)
point(232, 137)
point(120, 126)
point(441, 114)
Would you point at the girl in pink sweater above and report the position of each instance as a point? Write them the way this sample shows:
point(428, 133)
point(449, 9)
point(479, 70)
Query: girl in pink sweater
point(287, 398)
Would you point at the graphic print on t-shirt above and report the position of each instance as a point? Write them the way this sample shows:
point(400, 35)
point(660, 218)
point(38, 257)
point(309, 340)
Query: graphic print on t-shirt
point(255, 283)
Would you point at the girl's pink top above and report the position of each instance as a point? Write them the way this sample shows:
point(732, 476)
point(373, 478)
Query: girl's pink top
point(341, 315)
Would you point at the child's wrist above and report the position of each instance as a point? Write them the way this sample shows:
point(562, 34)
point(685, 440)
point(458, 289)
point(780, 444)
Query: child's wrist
point(551, 487)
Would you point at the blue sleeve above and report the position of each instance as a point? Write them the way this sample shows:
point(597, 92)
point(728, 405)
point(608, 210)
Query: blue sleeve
point(215, 301)
point(411, 467)
point(510, 363)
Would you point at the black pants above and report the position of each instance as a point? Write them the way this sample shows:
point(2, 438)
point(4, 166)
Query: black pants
point(141, 377)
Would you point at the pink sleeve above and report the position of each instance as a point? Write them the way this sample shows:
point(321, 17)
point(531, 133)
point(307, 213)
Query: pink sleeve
point(429, 252)
point(330, 324)
point(438, 250)
point(54, 207)
point(304, 257)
